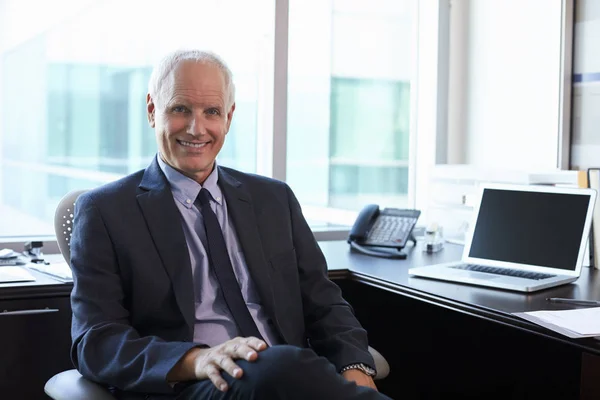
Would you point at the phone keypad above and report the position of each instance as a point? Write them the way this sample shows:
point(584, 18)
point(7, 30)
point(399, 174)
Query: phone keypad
point(391, 229)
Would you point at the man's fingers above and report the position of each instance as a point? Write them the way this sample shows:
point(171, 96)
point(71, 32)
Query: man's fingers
point(239, 350)
point(229, 366)
point(213, 373)
point(244, 348)
point(256, 343)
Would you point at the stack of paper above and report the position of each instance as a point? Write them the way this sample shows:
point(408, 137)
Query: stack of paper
point(59, 270)
point(15, 274)
point(578, 323)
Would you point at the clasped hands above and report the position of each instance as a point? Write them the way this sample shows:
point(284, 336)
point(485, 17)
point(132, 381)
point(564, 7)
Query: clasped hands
point(207, 363)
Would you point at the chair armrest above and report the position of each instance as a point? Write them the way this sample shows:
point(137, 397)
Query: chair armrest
point(381, 364)
point(70, 385)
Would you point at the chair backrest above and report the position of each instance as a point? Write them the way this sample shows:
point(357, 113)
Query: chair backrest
point(63, 222)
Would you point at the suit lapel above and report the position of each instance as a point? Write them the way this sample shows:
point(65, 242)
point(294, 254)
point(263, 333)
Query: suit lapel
point(239, 206)
point(164, 223)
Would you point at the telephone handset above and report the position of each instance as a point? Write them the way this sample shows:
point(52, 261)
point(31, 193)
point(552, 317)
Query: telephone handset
point(383, 233)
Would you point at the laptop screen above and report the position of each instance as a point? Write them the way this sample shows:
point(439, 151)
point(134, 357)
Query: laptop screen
point(535, 228)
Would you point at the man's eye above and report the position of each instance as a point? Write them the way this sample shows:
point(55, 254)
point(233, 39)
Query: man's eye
point(179, 109)
point(213, 111)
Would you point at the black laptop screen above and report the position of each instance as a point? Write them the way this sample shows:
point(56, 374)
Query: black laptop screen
point(535, 228)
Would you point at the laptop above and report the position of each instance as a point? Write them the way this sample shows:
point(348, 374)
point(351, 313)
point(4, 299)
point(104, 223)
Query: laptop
point(524, 238)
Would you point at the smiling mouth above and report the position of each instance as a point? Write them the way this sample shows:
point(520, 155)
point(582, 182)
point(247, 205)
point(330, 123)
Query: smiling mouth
point(192, 144)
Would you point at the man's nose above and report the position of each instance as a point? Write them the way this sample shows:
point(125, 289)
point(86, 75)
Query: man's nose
point(197, 125)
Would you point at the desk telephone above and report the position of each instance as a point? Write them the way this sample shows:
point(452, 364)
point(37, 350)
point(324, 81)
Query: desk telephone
point(383, 233)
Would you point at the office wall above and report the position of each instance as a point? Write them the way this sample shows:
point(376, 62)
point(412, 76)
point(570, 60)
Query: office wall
point(512, 86)
point(585, 138)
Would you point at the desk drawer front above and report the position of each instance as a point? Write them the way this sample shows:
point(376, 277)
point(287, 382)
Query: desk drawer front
point(35, 339)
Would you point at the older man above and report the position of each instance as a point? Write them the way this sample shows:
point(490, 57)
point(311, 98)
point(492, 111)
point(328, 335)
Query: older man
point(196, 281)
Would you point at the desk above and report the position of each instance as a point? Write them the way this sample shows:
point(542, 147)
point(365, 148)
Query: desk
point(35, 344)
point(467, 310)
point(442, 329)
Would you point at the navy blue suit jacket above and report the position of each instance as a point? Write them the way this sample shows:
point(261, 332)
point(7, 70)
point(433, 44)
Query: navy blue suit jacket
point(133, 299)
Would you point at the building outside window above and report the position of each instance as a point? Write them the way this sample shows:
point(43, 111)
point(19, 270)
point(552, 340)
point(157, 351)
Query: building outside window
point(72, 96)
point(73, 82)
point(349, 103)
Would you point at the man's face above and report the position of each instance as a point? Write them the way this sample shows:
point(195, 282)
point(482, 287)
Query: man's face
point(192, 118)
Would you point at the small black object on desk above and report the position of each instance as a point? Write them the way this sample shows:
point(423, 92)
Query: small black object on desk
point(33, 249)
point(575, 302)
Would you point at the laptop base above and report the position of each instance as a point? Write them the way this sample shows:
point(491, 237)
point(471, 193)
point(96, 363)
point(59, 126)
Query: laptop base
point(446, 272)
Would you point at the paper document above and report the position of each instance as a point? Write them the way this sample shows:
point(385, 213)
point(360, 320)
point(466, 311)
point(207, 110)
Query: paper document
point(584, 322)
point(59, 270)
point(15, 274)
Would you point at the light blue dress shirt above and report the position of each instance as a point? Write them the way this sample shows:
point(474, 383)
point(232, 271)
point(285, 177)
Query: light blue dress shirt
point(213, 321)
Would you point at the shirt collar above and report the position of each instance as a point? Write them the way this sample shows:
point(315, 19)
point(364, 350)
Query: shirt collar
point(185, 190)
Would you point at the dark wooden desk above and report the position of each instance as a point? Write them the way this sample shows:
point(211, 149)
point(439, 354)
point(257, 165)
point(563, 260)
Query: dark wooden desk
point(35, 322)
point(470, 315)
point(430, 331)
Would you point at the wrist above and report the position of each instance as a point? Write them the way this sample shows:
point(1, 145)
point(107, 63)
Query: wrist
point(361, 367)
point(185, 368)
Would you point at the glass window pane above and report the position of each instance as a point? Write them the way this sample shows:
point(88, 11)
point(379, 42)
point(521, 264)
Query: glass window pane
point(349, 109)
point(73, 92)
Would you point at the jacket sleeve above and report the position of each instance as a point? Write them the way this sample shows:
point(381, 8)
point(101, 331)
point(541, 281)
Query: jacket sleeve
point(106, 348)
point(332, 328)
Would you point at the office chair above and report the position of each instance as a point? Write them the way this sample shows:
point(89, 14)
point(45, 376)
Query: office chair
point(68, 385)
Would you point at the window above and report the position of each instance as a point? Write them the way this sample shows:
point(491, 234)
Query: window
point(349, 104)
point(360, 165)
point(73, 81)
point(73, 86)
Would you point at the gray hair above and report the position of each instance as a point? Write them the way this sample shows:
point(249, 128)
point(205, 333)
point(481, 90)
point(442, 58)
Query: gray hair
point(168, 63)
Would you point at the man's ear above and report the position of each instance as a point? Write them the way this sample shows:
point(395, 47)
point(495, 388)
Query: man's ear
point(151, 110)
point(230, 116)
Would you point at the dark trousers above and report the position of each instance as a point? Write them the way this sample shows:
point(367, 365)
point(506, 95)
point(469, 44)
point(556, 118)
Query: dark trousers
point(283, 372)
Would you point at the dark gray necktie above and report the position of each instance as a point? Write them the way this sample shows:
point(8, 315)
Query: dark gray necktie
point(221, 265)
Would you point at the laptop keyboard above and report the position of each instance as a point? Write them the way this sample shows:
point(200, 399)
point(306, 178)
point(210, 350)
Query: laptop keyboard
point(504, 271)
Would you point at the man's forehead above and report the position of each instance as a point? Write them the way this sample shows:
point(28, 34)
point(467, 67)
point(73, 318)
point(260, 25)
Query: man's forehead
point(197, 73)
point(203, 97)
point(195, 78)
